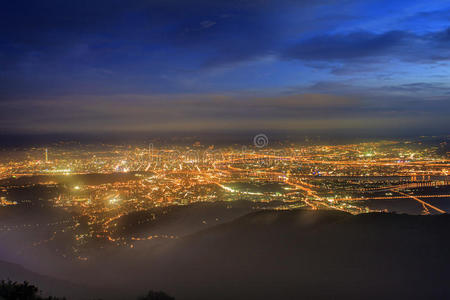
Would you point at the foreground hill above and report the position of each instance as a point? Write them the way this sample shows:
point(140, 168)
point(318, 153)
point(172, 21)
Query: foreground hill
point(49, 285)
point(310, 255)
point(297, 254)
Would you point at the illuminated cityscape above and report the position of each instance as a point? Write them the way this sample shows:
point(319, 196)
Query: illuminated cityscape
point(100, 185)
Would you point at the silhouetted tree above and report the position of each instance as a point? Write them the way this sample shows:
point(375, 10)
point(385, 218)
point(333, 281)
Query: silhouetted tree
point(156, 296)
point(10, 290)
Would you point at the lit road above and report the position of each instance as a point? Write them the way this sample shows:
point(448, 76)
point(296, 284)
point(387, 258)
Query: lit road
point(420, 201)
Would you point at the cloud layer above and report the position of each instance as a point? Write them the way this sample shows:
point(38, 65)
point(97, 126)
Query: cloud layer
point(103, 65)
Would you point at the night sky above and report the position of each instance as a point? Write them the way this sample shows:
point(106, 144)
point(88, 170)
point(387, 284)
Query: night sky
point(369, 67)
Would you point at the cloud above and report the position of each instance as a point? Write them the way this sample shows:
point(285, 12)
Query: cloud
point(193, 112)
point(443, 37)
point(207, 24)
point(369, 48)
point(346, 46)
point(169, 63)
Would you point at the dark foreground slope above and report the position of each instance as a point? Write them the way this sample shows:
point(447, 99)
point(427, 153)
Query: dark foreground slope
point(299, 254)
point(310, 255)
point(50, 286)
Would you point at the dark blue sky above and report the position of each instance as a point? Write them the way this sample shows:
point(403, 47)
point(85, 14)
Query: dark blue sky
point(88, 66)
